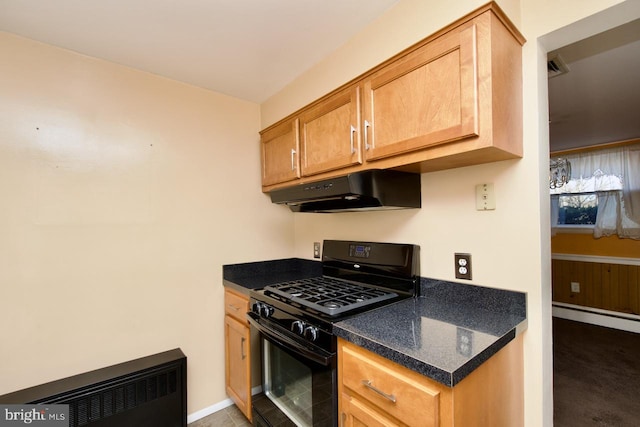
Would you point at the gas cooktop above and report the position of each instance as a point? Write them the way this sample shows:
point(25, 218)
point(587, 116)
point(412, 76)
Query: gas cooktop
point(355, 276)
point(329, 295)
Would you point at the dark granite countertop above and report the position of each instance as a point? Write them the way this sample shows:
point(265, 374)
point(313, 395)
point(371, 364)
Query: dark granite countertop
point(256, 275)
point(445, 333)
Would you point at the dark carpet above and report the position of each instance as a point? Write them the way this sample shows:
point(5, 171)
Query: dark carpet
point(596, 375)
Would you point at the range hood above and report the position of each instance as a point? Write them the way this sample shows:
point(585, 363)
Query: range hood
point(375, 189)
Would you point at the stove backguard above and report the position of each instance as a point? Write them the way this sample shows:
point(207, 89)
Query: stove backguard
point(392, 266)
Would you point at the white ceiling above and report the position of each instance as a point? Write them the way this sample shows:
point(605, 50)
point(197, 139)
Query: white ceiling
point(598, 100)
point(249, 49)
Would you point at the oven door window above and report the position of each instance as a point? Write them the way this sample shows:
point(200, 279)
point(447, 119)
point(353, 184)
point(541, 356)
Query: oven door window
point(297, 386)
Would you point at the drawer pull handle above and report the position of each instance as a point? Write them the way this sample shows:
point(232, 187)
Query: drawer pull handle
point(233, 307)
point(370, 386)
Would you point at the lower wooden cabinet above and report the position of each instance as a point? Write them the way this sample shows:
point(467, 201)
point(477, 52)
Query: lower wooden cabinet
point(374, 391)
point(237, 336)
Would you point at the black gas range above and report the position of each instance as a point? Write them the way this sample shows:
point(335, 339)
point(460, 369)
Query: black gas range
point(295, 321)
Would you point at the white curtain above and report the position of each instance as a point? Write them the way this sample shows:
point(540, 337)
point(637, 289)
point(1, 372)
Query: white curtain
point(631, 182)
point(611, 219)
point(614, 174)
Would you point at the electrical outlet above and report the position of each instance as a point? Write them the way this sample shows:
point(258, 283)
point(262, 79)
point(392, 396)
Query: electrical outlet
point(316, 249)
point(463, 266)
point(575, 287)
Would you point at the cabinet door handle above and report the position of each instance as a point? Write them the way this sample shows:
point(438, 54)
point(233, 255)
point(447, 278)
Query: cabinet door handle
point(242, 341)
point(367, 125)
point(343, 418)
point(353, 131)
point(293, 163)
point(367, 383)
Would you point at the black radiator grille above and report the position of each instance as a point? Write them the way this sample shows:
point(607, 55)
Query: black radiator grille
point(149, 391)
point(126, 396)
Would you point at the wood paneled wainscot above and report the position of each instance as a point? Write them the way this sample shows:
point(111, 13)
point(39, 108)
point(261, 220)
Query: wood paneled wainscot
point(607, 284)
point(452, 100)
point(374, 391)
point(237, 350)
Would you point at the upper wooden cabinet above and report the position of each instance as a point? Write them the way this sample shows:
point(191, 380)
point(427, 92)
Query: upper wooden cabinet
point(330, 133)
point(279, 151)
point(452, 100)
point(428, 97)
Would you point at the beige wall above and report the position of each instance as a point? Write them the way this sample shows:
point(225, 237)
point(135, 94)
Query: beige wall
point(121, 196)
point(511, 245)
point(112, 184)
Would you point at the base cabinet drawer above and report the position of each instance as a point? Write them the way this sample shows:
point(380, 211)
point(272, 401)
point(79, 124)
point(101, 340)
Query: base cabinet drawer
point(236, 305)
point(397, 394)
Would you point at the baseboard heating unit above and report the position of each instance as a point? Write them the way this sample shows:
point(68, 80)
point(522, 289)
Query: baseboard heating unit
point(150, 391)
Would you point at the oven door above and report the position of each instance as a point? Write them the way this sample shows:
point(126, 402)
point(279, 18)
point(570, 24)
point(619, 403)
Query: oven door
point(299, 385)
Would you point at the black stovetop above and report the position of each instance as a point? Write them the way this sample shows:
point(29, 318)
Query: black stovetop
point(329, 295)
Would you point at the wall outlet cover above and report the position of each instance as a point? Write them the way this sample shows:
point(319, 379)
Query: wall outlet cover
point(463, 266)
point(316, 249)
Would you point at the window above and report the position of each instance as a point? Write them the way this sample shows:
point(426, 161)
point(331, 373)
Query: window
point(577, 209)
point(598, 190)
point(577, 201)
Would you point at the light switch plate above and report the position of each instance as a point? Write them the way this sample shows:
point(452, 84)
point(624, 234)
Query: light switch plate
point(485, 197)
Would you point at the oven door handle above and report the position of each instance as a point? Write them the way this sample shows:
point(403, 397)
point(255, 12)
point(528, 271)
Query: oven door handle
point(317, 355)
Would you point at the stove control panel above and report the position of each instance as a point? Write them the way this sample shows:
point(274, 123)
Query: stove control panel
point(306, 331)
point(359, 251)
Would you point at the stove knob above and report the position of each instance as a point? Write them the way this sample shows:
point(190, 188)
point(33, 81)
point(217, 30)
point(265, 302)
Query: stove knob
point(297, 327)
point(311, 333)
point(265, 310)
point(256, 307)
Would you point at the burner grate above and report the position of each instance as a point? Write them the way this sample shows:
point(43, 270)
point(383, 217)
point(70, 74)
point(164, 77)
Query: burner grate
point(328, 295)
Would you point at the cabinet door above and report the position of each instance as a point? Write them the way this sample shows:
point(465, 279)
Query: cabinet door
point(238, 364)
point(330, 133)
point(428, 97)
point(279, 150)
point(358, 414)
